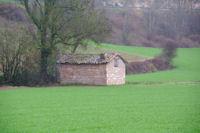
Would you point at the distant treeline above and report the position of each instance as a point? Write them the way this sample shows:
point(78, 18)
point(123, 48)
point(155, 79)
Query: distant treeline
point(162, 4)
point(154, 25)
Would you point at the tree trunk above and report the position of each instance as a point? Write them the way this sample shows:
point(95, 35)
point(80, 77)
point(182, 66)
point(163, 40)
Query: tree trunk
point(43, 66)
point(44, 53)
point(75, 48)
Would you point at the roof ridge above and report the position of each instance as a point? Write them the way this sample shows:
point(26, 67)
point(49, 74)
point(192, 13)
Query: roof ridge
point(87, 58)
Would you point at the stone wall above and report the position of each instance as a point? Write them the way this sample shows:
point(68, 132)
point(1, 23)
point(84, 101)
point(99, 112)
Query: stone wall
point(84, 74)
point(104, 74)
point(116, 75)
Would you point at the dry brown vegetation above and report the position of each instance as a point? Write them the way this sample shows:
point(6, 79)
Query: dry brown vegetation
point(133, 27)
point(130, 26)
point(13, 12)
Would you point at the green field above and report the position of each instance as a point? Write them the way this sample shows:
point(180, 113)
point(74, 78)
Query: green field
point(187, 69)
point(98, 49)
point(163, 102)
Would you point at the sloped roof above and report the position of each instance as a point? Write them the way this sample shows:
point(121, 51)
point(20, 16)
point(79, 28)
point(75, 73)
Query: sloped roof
point(88, 58)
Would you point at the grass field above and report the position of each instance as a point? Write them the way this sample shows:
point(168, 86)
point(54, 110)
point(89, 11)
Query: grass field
point(163, 102)
point(144, 51)
point(187, 69)
point(98, 49)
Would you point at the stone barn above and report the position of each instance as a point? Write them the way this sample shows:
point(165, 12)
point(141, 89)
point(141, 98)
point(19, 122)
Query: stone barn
point(103, 69)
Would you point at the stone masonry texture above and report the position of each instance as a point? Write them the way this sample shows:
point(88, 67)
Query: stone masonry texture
point(93, 74)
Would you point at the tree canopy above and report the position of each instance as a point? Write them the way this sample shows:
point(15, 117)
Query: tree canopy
point(68, 22)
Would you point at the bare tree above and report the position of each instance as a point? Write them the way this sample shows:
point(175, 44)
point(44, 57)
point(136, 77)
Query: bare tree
point(125, 28)
point(150, 19)
point(15, 42)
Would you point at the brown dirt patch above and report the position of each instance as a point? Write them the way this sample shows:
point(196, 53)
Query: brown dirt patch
point(12, 88)
point(24, 87)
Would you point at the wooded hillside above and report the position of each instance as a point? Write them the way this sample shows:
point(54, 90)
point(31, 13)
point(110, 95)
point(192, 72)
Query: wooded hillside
point(150, 27)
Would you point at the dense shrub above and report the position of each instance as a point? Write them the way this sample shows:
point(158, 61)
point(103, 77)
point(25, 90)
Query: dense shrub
point(26, 78)
point(195, 38)
point(19, 56)
point(29, 75)
point(1, 79)
point(15, 43)
point(159, 63)
point(169, 51)
point(140, 67)
point(148, 66)
point(147, 43)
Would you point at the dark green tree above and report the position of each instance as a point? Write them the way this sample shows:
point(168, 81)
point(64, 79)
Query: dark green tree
point(68, 22)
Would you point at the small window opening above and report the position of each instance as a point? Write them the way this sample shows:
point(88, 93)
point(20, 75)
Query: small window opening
point(116, 63)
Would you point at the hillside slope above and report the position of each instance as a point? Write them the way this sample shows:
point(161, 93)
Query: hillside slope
point(131, 27)
point(152, 28)
point(13, 12)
